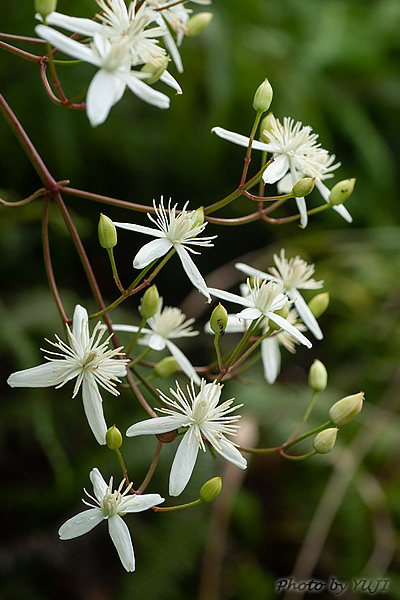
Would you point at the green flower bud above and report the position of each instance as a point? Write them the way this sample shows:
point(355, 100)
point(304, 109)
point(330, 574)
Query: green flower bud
point(346, 409)
point(263, 97)
point(303, 187)
point(319, 304)
point(325, 440)
point(107, 232)
point(149, 304)
point(317, 376)
point(282, 312)
point(45, 7)
point(155, 70)
point(113, 438)
point(211, 489)
point(166, 367)
point(198, 23)
point(219, 319)
point(199, 212)
point(341, 191)
point(266, 125)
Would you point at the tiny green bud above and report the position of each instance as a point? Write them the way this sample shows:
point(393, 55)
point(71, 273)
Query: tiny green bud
point(107, 232)
point(346, 409)
point(149, 304)
point(318, 304)
point(303, 187)
point(325, 440)
point(266, 126)
point(198, 23)
point(219, 319)
point(166, 367)
point(263, 97)
point(113, 438)
point(282, 312)
point(199, 212)
point(155, 70)
point(317, 376)
point(45, 7)
point(211, 489)
point(341, 191)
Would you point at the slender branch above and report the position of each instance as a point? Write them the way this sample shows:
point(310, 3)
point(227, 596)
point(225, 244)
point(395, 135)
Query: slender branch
point(21, 53)
point(107, 200)
point(151, 470)
point(37, 194)
point(21, 38)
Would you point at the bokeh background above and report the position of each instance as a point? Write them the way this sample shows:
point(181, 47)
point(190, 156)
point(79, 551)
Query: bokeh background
point(335, 66)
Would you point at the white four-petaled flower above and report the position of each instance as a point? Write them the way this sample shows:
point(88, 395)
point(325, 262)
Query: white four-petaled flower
point(110, 505)
point(88, 360)
point(178, 230)
point(205, 420)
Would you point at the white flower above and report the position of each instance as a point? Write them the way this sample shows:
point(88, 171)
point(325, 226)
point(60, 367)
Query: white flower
point(175, 230)
point(294, 274)
point(167, 324)
point(296, 152)
point(110, 505)
point(85, 358)
point(176, 17)
point(204, 419)
point(114, 74)
point(265, 297)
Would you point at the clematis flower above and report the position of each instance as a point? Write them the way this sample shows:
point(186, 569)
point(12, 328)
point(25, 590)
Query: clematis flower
point(167, 324)
point(110, 505)
point(204, 418)
point(296, 151)
point(178, 230)
point(265, 297)
point(88, 360)
point(294, 274)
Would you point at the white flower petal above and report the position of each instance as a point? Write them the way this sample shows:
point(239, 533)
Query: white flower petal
point(183, 362)
point(183, 465)
point(343, 212)
point(36, 377)
point(284, 324)
point(80, 325)
point(239, 139)
point(121, 537)
point(94, 410)
point(151, 251)
point(81, 524)
point(156, 426)
point(167, 78)
point(74, 24)
point(340, 209)
point(67, 45)
point(230, 297)
point(155, 341)
point(102, 91)
point(192, 271)
point(143, 91)
point(140, 229)
point(231, 453)
point(138, 503)
point(302, 207)
point(170, 44)
point(305, 313)
point(100, 487)
point(250, 314)
point(271, 358)
point(277, 169)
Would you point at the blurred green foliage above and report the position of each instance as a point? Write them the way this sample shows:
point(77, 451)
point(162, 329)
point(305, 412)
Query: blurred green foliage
point(333, 65)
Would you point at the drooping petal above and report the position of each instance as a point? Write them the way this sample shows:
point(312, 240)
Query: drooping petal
point(183, 362)
point(94, 409)
point(284, 324)
point(340, 209)
point(302, 208)
point(143, 91)
point(151, 251)
point(81, 524)
point(305, 313)
point(140, 229)
point(277, 169)
point(170, 44)
point(230, 297)
point(239, 139)
point(98, 483)
point(121, 538)
point(74, 24)
point(183, 465)
point(100, 96)
point(41, 376)
point(67, 45)
point(138, 503)
point(167, 78)
point(80, 327)
point(192, 271)
point(231, 453)
point(271, 359)
point(156, 426)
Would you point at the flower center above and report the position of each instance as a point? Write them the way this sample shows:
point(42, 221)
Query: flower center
point(110, 503)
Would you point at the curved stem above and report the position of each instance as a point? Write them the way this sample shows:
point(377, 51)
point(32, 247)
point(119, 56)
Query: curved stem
point(171, 508)
point(107, 200)
point(33, 196)
point(21, 53)
point(151, 470)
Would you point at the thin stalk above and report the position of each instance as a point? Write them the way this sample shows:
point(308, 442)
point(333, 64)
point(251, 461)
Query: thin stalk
point(115, 271)
point(21, 53)
point(123, 468)
point(135, 337)
point(237, 350)
point(305, 417)
point(134, 387)
point(247, 158)
point(171, 508)
point(107, 200)
point(218, 352)
point(151, 470)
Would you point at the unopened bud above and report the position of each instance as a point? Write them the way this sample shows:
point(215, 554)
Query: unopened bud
point(45, 7)
point(155, 70)
point(149, 304)
point(219, 319)
point(107, 232)
point(263, 97)
point(346, 409)
point(318, 304)
point(341, 191)
point(113, 438)
point(317, 376)
point(199, 213)
point(266, 126)
point(211, 489)
point(166, 367)
point(325, 440)
point(303, 187)
point(198, 23)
